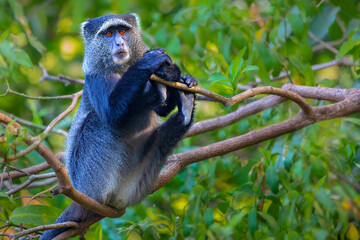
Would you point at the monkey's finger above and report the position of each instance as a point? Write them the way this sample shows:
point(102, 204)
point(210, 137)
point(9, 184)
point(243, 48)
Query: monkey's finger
point(159, 60)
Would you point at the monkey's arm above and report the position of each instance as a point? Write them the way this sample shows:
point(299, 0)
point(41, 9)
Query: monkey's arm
point(112, 102)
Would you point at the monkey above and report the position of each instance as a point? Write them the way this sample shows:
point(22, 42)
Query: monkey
point(117, 143)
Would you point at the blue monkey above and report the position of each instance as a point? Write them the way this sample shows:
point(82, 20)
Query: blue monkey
point(117, 143)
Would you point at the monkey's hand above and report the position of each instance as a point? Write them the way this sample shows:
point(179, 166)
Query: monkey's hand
point(189, 80)
point(169, 72)
point(152, 60)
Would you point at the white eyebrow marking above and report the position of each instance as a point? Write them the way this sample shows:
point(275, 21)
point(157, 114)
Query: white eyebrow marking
point(113, 22)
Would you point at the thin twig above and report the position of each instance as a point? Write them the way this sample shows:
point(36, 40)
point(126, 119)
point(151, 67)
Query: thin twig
point(59, 78)
point(31, 179)
point(33, 125)
point(75, 97)
point(43, 228)
point(242, 96)
point(316, 67)
point(325, 44)
point(29, 197)
point(40, 193)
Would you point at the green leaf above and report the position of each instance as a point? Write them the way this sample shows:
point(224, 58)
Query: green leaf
point(250, 68)
point(237, 218)
point(208, 216)
point(320, 182)
point(236, 64)
point(36, 44)
point(296, 24)
point(216, 77)
point(347, 47)
point(181, 13)
point(174, 46)
point(22, 58)
point(252, 220)
point(272, 179)
point(304, 70)
point(4, 35)
point(320, 24)
point(353, 120)
point(35, 215)
point(224, 206)
point(7, 203)
point(271, 221)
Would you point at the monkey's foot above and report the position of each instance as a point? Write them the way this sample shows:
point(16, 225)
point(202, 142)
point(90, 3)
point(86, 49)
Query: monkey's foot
point(189, 80)
point(187, 106)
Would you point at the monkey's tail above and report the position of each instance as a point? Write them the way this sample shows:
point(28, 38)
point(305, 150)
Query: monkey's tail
point(75, 213)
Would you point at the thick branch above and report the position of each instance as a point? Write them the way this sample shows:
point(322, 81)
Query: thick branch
point(65, 186)
point(349, 105)
point(176, 162)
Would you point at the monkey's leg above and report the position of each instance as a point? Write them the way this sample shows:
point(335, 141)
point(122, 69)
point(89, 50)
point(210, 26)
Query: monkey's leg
point(173, 130)
point(172, 95)
point(75, 213)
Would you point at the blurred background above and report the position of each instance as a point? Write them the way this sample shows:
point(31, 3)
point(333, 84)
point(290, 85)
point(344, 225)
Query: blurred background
point(285, 188)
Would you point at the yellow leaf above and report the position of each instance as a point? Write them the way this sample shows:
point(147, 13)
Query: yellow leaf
point(259, 34)
point(134, 236)
point(346, 205)
point(211, 46)
point(352, 233)
point(297, 80)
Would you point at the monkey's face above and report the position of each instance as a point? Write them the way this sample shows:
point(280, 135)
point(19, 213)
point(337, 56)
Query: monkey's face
point(112, 43)
point(117, 39)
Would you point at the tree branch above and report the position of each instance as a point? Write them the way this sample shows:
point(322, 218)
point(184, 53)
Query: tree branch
point(65, 186)
point(348, 104)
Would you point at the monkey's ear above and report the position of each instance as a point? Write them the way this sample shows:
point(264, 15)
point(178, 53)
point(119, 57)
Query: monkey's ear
point(83, 29)
point(137, 20)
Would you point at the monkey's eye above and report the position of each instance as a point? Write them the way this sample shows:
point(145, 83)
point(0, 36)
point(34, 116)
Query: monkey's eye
point(109, 33)
point(122, 31)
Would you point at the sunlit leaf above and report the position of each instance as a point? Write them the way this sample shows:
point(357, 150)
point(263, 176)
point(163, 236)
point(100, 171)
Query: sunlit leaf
point(215, 77)
point(250, 68)
point(22, 58)
point(348, 46)
point(7, 203)
point(236, 64)
point(4, 35)
point(35, 215)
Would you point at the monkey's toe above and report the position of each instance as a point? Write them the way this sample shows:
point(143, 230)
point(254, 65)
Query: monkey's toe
point(189, 80)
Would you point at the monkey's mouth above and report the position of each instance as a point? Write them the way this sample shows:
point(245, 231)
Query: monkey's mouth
point(120, 57)
point(121, 54)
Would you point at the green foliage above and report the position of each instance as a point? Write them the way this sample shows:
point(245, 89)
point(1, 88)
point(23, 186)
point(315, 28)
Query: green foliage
point(285, 188)
point(35, 215)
